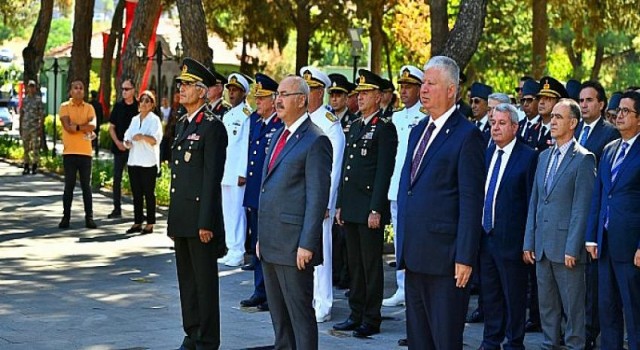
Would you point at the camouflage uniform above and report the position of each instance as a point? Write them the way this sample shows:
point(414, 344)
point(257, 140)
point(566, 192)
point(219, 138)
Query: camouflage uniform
point(32, 113)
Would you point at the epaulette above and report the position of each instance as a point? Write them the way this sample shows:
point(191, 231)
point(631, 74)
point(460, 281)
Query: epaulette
point(399, 109)
point(332, 118)
point(423, 111)
point(246, 111)
point(226, 104)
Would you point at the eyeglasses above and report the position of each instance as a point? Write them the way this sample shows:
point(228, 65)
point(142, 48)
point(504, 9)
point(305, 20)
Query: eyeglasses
point(191, 83)
point(285, 94)
point(526, 100)
point(127, 88)
point(624, 111)
point(475, 100)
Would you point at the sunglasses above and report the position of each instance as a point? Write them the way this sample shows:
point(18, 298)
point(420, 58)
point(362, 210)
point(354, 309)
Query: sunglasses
point(526, 100)
point(127, 88)
point(475, 100)
point(145, 100)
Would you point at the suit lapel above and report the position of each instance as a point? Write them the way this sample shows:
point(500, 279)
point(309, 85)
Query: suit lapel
point(629, 157)
point(571, 153)
point(190, 128)
point(511, 163)
point(293, 140)
point(447, 129)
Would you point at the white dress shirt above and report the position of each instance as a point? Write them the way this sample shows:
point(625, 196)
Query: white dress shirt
point(143, 153)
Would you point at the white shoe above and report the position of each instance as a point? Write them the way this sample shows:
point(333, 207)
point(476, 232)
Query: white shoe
point(395, 300)
point(325, 318)
point(234, 259)
point(223, 259)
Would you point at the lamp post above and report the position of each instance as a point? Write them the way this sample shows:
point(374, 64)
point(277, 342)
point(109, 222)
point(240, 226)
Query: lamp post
point(356, 48)
point(55, 67)
point(159, 56)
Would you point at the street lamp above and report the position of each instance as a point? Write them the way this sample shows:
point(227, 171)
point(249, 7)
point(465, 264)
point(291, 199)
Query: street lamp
point(356, 48)
point(55, 67)
point(159, 56)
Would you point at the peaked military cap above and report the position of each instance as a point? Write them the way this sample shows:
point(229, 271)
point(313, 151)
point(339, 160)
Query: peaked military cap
point(315, 77)
point(265, 86)
point(368, 80)
point(481, 90)
point(239, 80)
point(614, 101)
point(573, 89)
point(339, 83)
point(194, 72)
point(410, 75)
point(387, 85)
point(530, 87)
point(552, 88)
point(220, 78)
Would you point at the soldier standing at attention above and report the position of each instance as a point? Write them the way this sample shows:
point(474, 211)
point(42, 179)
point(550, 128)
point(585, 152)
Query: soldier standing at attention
point(217, 105)
point(31, 115)
point(195, 212)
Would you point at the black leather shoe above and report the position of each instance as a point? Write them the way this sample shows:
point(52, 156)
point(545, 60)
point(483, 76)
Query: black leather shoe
point(532, 327)
point(147, 230)
point(365, 330)
point(25, 171)
point(89, 223)
point(34, 169)
point(135, 228)
point(476, 316)
point(64, 223)
point(252, 302)
point(403, 342)
point(347, 325)
point(263, 307)
point(590, 345)
point(393, 264)
point(248, 267)
point(114, 215)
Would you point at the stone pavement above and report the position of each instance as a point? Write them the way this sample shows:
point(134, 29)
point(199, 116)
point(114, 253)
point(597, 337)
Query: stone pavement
point(103, 289)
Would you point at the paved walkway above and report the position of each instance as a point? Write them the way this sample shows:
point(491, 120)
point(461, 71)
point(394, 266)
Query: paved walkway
point(103, 289)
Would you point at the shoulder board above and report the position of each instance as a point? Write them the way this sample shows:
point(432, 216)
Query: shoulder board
point(246, 111)
point(225, 104)
point(423, 110)
point(399, 109)
point(332, 118)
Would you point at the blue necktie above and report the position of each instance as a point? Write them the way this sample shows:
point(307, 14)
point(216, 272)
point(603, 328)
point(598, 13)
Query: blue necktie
point(614, 173)
point(585, 135)
point(487, 217)
point(552, 171)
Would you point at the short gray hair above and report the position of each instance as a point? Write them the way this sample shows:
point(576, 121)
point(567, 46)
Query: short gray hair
point(302, 87)
point(448, 66)
point(507, 108)
point(574, 107)
point(500, 97)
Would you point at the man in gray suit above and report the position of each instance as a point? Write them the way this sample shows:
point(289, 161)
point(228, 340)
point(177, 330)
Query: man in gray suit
point(556, 226)
point(293, 200)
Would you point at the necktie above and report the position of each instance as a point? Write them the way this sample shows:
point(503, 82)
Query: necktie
point(552, 171)
point(478, 124)
point(487, 217)
point(526, 130)
point(585, 135)
point(422, 147)
point(614, 173)
point(281, 142)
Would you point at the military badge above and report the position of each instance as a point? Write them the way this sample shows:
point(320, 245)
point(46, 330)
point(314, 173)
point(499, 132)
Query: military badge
point(187, 156)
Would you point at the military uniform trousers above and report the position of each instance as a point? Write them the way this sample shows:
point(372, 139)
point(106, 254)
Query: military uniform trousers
point(394, 222)
point(258, 275)
point(235, 219)
point(31, 145)
point(323, 274)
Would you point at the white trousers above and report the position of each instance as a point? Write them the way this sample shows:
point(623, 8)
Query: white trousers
point(235, 219)
point(394, 222)
point(322, 277)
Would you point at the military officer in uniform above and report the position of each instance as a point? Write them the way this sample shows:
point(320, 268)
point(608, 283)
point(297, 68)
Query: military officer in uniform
point(404, 120)
point(237, 122)
point(217, 105)
point(551, 91)
point(339, 92)
point(480, 107)
point(363, 207)
point(318, 81)
point(195, 220)
point(264, 122)
point(388, 99)
point(31, 117)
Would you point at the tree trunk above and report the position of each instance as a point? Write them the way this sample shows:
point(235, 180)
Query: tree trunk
point(244, 64)
point(465, 35)
point(439, 25)
point(387, 52)
point(193, 30)
point(141, 29)
point(81, 51)
point(540, 37)
point(597, 63)
point(376, 35)
point(303, 26)
point(107, 58)
point(34, 52)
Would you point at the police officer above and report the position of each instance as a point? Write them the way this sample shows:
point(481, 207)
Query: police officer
point(264, 122)
point(195, 211)
point(363, 207)
point(236, 121)
point(31, 117)
point(318, 81)
point(217, 105)
point(339, 92)
point(480, 107)
point(404, 120)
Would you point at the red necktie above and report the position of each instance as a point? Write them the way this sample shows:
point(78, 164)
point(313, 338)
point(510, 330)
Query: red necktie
point(279, 146)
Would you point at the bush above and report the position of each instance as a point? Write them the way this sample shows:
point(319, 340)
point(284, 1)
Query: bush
point(10, 148)
point(105, 138)
point(101, 173)
point(48, 126)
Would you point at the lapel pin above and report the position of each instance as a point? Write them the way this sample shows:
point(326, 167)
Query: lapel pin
point(447, 131)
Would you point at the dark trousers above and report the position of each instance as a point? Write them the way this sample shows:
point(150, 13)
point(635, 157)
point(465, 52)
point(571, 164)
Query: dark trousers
point(119, 162)
point(618, 290)
point(592, 321)
point(258, 276)
point(290, 293)
point(143, 187)
point(532, 295)
point(504, 294)
point(364, 247)
point(339, 258)
point(77, 164)
point(197, 268)
point(436, 311)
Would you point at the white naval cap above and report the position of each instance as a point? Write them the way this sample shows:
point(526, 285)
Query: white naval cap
point(315, 77)
point(237, 79)
point(411, 75)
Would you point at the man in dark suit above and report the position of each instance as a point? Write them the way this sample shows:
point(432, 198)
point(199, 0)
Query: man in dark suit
point(363, 207)
point(593, 133)
point(510, 166)
point(613, 231)
point(195, 211)
point(556, 223)
point(293, 200)
point(439, 212)
point(264, 124)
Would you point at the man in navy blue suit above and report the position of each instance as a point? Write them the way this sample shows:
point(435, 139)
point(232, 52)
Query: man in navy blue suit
point(613, 229)
point(511, 166)
point(593, 132)
point(439, 212)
